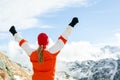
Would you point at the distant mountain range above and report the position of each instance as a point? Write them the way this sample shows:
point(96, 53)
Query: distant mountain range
point(104, 69)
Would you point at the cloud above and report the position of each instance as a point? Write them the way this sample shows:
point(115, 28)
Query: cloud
point(118, 38)
point(13, 49)
point(24, 13)
point(3, 35)
point(82, 50)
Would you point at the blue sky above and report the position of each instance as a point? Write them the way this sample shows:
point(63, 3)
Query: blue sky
point(99, 20)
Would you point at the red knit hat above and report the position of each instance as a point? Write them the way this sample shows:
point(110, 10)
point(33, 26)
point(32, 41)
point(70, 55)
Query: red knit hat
point(43, 39)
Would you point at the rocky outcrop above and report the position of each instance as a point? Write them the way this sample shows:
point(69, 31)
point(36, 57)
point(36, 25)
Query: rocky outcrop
point(10, 70)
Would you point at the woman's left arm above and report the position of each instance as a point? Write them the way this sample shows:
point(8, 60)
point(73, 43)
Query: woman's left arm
point(63, 37)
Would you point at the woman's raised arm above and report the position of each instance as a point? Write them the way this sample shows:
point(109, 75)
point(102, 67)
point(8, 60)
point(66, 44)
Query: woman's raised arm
point(22, 42)
point(63, 37)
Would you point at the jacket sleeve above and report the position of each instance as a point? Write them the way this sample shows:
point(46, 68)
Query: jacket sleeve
point(61, 40)
point(23, 44)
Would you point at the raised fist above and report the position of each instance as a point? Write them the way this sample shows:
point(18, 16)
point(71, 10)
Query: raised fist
point(74, 21)
point(12, 30)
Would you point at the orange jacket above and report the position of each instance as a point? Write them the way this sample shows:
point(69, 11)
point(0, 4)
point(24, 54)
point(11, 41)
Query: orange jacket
point(45, 71)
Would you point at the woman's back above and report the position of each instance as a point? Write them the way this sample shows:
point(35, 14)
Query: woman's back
point(45, 71)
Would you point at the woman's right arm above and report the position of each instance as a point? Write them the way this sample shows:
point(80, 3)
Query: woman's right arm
point(22, 42)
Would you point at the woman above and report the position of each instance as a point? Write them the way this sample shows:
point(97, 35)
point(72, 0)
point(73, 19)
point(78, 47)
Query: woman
point(44, 60)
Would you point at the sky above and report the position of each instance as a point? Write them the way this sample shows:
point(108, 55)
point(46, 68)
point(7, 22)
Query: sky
point(98, 25)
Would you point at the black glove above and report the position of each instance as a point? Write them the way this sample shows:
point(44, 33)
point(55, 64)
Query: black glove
point(74, 21)
point(12, 30)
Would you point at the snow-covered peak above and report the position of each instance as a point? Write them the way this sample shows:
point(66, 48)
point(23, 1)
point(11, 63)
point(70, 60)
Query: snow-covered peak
point(105, 69)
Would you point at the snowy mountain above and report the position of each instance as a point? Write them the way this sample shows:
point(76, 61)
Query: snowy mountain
point(104, 69)
point(90, 70)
